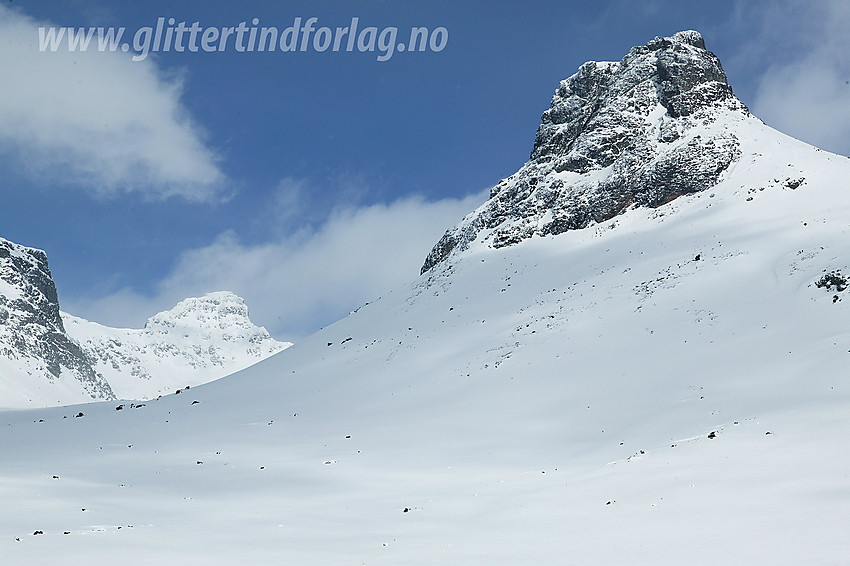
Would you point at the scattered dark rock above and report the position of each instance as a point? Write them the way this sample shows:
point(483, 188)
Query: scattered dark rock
point(38, 533)
point(833, 281)
point(78, 415)
point(794, 183)
point(712, 434)
point(195, 402)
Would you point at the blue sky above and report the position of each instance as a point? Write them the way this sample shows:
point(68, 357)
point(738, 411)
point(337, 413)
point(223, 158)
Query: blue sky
point(310, 183)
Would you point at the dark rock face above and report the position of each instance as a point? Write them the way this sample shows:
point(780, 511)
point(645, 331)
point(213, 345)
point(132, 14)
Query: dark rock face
point(616, 135)
point(31, 328)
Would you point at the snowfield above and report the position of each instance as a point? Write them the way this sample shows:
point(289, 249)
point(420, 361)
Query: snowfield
point(668, 387)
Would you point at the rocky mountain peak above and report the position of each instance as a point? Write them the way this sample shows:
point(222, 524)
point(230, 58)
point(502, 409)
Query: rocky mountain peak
point(28, 286)
point(597, 113)
point(32, 333)
point(617, 134)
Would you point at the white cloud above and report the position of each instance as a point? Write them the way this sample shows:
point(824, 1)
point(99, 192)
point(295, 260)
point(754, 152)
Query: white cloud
point(296, 283)
point(806, 93)
point(99, 120)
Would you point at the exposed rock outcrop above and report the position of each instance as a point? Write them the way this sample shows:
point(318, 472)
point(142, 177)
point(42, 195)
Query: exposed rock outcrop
point(31, 328)
point(617, 135)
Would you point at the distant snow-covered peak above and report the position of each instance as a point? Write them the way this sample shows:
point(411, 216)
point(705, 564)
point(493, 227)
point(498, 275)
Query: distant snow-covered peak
point(199, 340)
point(218, 310)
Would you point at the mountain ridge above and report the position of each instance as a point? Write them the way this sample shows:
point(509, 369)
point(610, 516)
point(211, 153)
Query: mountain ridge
point(49, 357)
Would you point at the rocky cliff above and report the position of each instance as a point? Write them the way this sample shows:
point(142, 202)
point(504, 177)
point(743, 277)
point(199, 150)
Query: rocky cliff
point(33, 340)
point(638, 132)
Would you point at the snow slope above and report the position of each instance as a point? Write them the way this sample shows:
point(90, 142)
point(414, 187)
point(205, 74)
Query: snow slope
point(668, 386)
point(504, 402)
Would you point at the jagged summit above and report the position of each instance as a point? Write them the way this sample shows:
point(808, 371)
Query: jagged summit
point(638, 132)
point(601, 111)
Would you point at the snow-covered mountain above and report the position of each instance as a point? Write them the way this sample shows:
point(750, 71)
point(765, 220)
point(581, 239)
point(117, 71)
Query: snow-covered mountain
point(52, 358)
point(665, 383)
point(199, 340)
point(659, 124)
